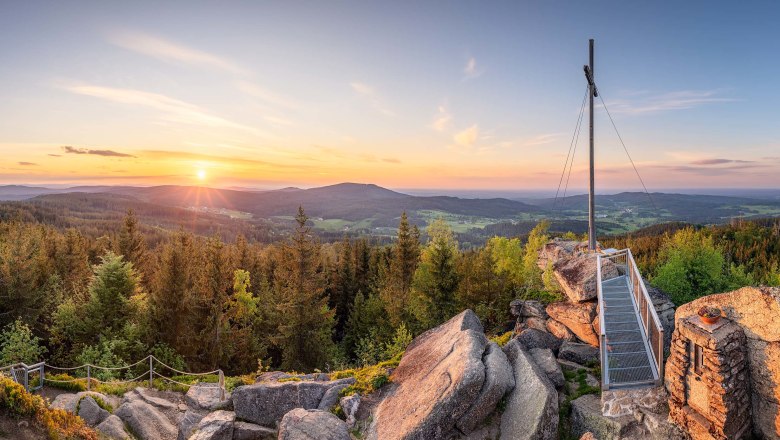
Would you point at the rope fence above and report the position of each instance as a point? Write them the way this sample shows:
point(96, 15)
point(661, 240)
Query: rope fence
point(21, 373)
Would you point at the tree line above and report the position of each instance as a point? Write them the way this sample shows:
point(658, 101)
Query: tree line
point(204, 303)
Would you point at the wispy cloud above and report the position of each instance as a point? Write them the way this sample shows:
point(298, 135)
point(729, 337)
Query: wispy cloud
point(443, 119)
point(27, 164)
point(369, 94)
point(55, 155)
point(107, 153)
point(718, 161)
point(267, 96)
point(185, 155)
point(166, 50)
point(471, 70)
point(171, 109)
point(467, 137)
point(680, 100)
point(541, 139)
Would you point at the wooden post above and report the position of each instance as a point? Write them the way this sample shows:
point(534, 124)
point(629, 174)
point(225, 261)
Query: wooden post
point(591, 193)
point(89, 374)
point(151, 372)
point(221, 386)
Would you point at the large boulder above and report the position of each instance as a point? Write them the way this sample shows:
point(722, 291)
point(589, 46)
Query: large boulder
point(586, 417)
point(91, 412)
point(204, 397)
point(527, 309)
point(534, 338)
point(350, 406)
point(215, 426)
point(577, 276)
point(498, 380)
point(302, 424)
point(265, 403)
point(70, 401)
point(532, 409)
point(189, 423)
point(250, 431)
point(559, 330)
point(757, 311)
point(440, 377)
point(558, 249)
point(577, 317)
point(545, 359)
point(582, 354)
point(113, 427)
point(146, 421)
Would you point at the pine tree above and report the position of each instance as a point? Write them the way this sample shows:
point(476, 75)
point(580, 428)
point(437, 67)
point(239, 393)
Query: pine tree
point(436, 278)
point(131, 244)
point(397, 286)
point(110, 292)
point(305, 321)
point(343, 286)
point(210, 298)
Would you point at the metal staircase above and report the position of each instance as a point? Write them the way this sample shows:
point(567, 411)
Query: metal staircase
point(630, 334)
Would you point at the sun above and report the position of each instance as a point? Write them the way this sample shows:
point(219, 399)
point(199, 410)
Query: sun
point(201, 174)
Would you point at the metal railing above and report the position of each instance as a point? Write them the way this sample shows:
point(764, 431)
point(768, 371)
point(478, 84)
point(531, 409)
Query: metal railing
point(651, 324)
point(22, 374)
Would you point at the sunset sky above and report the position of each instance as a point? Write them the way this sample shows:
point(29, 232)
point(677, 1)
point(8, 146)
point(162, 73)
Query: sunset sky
point(447, 95)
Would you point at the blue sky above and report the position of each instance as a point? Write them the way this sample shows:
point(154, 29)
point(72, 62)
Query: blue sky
point(449, 95)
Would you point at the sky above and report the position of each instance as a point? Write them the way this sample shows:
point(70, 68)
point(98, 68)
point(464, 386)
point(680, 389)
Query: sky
point(404, 94)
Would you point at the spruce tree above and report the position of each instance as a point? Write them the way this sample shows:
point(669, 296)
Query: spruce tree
point(131, 244)
point(398, 282)
point(305, 320)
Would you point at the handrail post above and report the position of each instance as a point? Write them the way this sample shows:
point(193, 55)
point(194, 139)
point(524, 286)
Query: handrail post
point(221, 386)
point(151, 372)
point(89, 384)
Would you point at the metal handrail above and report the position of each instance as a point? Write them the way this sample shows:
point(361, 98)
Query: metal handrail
point(602, 327)
point(635, 280)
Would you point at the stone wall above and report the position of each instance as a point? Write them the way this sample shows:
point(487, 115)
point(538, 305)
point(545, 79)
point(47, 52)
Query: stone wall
point(713, 403)
point(757, 312)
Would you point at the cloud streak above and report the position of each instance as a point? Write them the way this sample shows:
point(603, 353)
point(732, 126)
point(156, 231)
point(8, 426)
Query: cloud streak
point(166, 50)
point(172, 110)
point(679, 100)
point(471, 70)
point(718, 161)
point(106, 153)
point(28, 164)
point(467, 137)
point(443, 119)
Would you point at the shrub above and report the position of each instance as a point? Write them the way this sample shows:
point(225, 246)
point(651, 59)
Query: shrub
point(504, 339)
point(367, 379)
point(18, 344)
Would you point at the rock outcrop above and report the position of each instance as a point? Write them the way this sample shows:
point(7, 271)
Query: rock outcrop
point(559, 330)
point(578, 278)
point(218, 425)
point(757, 312)
point(532, 338)
point(499, 378)
point(302, 424)
point(113, 427)
point(250, 431)
point(577, 317)
point(204, 397)
point(545, 359)
point(582, 354)
point(532, 409)
point(146, 421)
point(91, 412)
point(265, 403)
point(438, 382)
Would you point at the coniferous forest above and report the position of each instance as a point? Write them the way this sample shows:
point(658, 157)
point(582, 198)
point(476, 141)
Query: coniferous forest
point(300, 304)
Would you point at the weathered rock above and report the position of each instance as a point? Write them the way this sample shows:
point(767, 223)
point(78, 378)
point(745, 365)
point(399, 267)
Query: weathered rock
point(527, 309)
point(536, 323)
point(533, 338)
point(439, 377)
point(265, 403)
point(582, 354)
point(169, 403)
point(571, 366)
point(69, 401)
point(498, 380)
point(272, 376)
point(204, 397)
point(577, 276)
point(331, 397)
point(586, 417)
point(301, 424)
point(350, 405)
point(113, 428)
point(146, 421)
point(91, 412)
point(545, 359)
point(757, 312)
point(559, 330)
point(532, 409)
point(588, 436)
point(577, 317)
point(215, 426)
point(558, 249)
point(189, 423)
point(250, 431)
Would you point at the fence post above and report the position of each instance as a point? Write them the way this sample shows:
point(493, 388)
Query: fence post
point(89, 384)
point(151, 372)
point(221, 386)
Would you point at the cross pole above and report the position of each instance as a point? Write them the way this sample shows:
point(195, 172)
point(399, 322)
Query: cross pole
point(591, 191)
